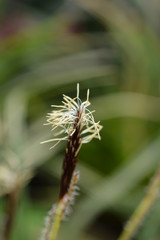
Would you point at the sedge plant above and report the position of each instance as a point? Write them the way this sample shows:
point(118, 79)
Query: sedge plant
point(75, 124)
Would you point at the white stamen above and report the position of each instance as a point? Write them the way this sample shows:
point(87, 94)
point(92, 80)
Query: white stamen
point(65, 117)
point(77, 90)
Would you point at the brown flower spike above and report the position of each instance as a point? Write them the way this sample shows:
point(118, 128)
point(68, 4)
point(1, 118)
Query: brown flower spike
point(77, 122)
point(76, 125)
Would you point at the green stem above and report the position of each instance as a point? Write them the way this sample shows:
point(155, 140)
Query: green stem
point(57, 221)
point(142, 210)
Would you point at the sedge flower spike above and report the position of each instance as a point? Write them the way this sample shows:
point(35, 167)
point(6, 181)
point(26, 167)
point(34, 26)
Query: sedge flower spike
point(73, 122)
point(71, 114)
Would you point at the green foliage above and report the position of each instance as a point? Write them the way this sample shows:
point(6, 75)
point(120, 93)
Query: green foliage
point(118, 60)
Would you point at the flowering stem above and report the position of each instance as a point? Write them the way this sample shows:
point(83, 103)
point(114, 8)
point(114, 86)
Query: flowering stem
point(70, 161)
point(57, 221)
point(58, 212)
point(69, 165)
point(76, 122)
point(142, 210)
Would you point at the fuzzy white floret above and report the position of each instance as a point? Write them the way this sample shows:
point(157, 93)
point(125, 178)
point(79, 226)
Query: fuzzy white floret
point(63, 119)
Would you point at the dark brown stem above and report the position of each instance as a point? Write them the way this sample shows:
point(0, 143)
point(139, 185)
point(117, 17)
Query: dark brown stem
point(11, 204)
point(70, 160)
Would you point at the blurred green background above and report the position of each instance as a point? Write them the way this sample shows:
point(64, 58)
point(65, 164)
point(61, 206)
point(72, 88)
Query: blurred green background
point(112, 48)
